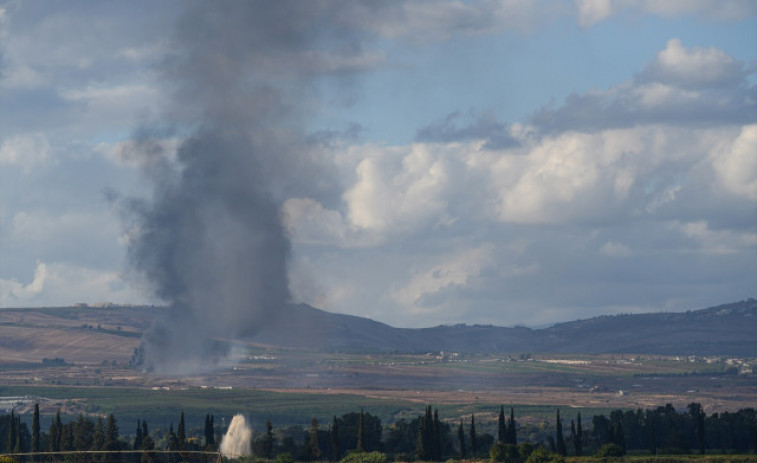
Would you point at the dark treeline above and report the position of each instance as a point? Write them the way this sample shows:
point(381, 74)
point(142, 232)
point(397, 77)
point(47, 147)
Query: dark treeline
point(662, 430)
point(100, 434)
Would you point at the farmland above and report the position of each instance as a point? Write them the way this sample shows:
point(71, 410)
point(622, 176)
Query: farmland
point(77, 359)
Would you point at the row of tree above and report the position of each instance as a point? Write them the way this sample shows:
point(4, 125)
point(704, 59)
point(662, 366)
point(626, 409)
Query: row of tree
point(87, 434)
point(665, 430)
point(426, 438)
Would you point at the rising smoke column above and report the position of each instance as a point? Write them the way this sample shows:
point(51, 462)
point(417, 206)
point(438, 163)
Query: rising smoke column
point(210, 240)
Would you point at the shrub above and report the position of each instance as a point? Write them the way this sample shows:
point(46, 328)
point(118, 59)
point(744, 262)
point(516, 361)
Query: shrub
point(541, 455)
point(610, 450)
point(507, 453)
point(364, 457)
point(285, 457)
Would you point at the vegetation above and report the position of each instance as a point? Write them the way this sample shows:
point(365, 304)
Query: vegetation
point(361, 436)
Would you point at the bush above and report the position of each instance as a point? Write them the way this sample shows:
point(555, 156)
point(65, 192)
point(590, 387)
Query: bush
point(364, 457)
point(540, 455)
point(285, 457)
point(6, 459)
point(507, 453)
point(525, 449)
point(610, 450)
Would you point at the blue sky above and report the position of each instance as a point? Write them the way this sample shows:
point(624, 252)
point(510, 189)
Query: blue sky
point(502, 162)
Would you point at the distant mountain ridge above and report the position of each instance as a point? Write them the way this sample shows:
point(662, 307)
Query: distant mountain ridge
point(729, 329)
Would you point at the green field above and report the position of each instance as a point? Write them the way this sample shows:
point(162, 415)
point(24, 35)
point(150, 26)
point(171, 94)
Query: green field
point(161, 407)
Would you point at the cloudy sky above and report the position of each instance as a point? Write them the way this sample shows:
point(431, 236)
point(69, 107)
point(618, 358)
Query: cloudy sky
point(494, 161)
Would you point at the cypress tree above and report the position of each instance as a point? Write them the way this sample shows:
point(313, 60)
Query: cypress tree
point(212, 433)
point(700, 431)
point(560, 441)
point(313, 452)
point(138, 436)
point(111, 439)
point(268, 440)
point(98, 437)
point(36, 447)
point(10, 438)
point(18, 447)
point(573, 433)
point(173, 444)
point(98, 440)
point(436, 438)
point(56, 433)
point(501, 427)
point(429, 435)
point(619, 435)
point(181, 434)
point(578, 443)
point(461, 439)
point(360, 431)
point(83, 433)
point(420, 447)
point(512, 432)
point(147, 445)
point(473, 448)
point(334, 436)
point(208, 432)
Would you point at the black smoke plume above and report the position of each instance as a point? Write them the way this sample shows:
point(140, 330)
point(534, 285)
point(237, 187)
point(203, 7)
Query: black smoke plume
point(241, 79)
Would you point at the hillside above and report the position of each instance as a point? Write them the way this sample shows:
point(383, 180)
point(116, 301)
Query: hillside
point(723, 330)
point(97, 334)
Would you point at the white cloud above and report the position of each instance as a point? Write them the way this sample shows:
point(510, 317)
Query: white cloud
point(710, 241)
point(682, 86)
point(28, 151)
point(11, 290)
point(59, 284)
point(684, 67)
point(400, 190)
point(736, 164)
point(453, 272)
point(591, 12)
point(576, 176)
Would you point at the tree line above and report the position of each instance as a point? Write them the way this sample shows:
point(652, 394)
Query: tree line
point(99, 434)
point(662, 430)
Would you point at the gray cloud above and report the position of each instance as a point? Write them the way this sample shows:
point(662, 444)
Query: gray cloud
point(485, 127)
point(682, 86)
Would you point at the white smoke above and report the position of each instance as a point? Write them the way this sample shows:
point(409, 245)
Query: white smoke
point(237, 440)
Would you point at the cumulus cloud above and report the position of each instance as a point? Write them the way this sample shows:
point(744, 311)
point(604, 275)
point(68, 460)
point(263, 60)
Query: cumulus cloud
point(736, 163)
point(682, 86)
point(635, 186)
point(428, 287)
point(705, 239)
point(59, 283)
point(693, 68)
point(591, 12)
point(496, 134)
